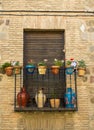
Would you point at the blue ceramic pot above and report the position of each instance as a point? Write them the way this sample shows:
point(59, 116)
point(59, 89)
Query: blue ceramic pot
point(30, 69)
point(70, 98)
point(69, 70)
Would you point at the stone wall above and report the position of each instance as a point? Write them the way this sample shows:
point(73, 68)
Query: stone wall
point(79, 43)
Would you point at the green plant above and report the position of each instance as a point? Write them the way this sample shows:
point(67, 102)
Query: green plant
point(17, 63)
point(81, 64)
point(31, 62)
point(58, 62)
point(69, 62)
point(43, 63)
point(6, 64)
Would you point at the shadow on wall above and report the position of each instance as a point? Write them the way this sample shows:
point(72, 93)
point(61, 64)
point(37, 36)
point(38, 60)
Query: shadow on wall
point(45, 121)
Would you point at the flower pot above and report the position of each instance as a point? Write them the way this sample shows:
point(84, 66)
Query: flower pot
point(30, 69)
point(70, 98)
point(40, 99)
point(69, 70)
point(55, 103)
point(17, 69)
point(9, 71)
point(55, 69)
point(42, 69)
point(22, 98)
point(81, 71)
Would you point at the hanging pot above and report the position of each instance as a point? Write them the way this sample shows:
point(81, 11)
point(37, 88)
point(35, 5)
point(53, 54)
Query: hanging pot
point(9, 71)
point(55, 69)
point(81, 71)
point(70, 98)
point(17, 69)
point(23, 98)
point(69, 70)
point(30, 69)
point(42, 69)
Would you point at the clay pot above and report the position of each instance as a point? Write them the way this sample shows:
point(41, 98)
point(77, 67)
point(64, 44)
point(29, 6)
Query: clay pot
point(23, 98)
point(81, 71)
point(42, 69)
point(17, 69)
point(9, 71)
point(55, 103)
point(55, 69)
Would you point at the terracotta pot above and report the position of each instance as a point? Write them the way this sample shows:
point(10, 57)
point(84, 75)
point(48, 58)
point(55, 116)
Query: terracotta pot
point(81, 71)
point(23, 98)
point(42, 69)
point(17, 69)
point(55, 103)
point(9, 71)
point(55, 69)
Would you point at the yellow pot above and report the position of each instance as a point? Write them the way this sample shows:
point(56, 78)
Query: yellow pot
point(81, 71)
point(42, 69)
point(55, 103)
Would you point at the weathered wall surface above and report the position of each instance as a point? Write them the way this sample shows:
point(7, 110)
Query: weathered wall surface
point(79, 43)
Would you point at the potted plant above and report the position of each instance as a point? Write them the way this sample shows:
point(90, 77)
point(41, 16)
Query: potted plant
point(8, 68)
point(42, 66)
point(70, 65)
point(30, 67)
point(81, 68)
point(56, 66)
point(54, 100)
point(16, 66)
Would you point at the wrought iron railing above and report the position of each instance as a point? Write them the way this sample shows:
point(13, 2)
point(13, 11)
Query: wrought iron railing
point(50, 86)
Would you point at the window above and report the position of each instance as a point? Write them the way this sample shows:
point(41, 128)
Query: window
point(40, 45)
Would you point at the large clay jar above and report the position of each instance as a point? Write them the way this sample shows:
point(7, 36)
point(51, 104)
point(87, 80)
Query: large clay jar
point(70, 98)
point(22, 98)
point(40, 98)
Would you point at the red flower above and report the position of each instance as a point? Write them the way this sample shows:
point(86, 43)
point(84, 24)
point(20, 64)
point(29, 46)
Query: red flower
point(71, 59)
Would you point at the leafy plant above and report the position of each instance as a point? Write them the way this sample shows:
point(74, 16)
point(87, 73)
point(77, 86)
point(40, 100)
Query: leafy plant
point(81, 64)
point(43, 63)
point(58, 62)
point(31, 62)
point(6, 64)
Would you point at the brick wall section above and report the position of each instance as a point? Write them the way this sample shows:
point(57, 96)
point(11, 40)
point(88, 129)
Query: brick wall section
point(79, 43)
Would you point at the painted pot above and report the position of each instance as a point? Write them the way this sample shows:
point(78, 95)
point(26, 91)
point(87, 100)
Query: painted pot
point(69, 70)
point(30, 69)
point(70, 98)
point(22, 98)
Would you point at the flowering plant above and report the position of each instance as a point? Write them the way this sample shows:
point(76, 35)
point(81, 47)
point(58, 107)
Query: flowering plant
point(71, 62)
point(31, 62)
point(58, 62)
point(43, 63)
